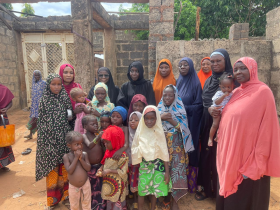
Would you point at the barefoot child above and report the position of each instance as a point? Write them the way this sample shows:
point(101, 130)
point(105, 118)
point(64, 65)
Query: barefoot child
point(118, 118)
point(220, 99)
point(78, 95)
point(92, 146)
point(133, 169)
point(114, 172)
point(77, 165)
point(149, 148)
point(105, 120)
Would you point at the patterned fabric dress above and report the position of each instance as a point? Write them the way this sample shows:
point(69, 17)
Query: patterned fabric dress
point(36, 94)
point(176, 145)
point(51, 146)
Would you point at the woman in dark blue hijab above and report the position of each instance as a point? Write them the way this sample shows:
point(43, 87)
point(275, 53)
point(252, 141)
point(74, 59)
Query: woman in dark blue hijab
point(190, 91)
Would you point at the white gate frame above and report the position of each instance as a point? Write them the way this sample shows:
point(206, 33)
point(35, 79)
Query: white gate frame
point(43, 38)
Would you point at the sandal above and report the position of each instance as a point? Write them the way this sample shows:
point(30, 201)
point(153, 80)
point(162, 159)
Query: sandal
point(135, 206)
point(199, 196)
point(5, 169)
point(27, 151)
point(28, 137)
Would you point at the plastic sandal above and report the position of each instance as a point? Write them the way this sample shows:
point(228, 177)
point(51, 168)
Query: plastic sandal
point(27, 151)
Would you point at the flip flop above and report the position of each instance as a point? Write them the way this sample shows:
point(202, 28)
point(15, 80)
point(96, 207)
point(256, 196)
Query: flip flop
point(5, 169)
point(28, 137)
point(199, 196)
point(27, 151)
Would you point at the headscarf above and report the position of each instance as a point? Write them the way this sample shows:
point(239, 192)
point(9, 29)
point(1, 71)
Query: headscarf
point(212, 83)
point(203, 76)
point(179, 114)
point(122, 111)
point(136, 98)
point(139, 66)
point(100, 85)
point(72, 85)
point(160, 83)
point(113, 90)
point(36, 93)
point(6, 96)
point(131, 135)
point(149, 143)
point(53, 125)
point(115, 135)
point(248, 136)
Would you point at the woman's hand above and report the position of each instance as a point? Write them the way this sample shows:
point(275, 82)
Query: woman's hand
point(78, 109)
point(166, 116)
point(214, 111)
point(3, 111)
point(117, 155)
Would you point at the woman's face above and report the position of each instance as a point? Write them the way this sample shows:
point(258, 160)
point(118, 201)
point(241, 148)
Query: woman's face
point(68, 75)
point(150, 119)
point(100, 94)
point(184, 68)
point(56, 86)
point(164, 70)
point(138, 106)
point(37, 76)
point(206, 66)
point(103, 76)
point(134, 73)
point(133, 121)
point(218, 63)
point(168, 96)
point(241, 72)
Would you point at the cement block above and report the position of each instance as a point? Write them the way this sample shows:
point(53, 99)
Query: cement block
point(122, 55)
point(168, 14)
point(9, 33)
point(128, 47)
point(198, 47)
point(155, 3)
point(155, 15)
point(161, 28)
point(167, 2)
point(253, 47)
point(276, 62)
point(276, 46)
point(135, 55)
point(141, 47)
point(2, 30)
point(275, 78)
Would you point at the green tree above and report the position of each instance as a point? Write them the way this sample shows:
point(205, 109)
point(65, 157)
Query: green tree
point(27, 8)
point(7, 6)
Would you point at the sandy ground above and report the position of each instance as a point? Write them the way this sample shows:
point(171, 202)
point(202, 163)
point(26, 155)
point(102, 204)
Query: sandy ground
point(22, 177)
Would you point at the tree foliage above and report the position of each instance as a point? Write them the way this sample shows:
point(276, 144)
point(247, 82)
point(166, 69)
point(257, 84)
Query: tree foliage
point(7, 6)
point(27, 8)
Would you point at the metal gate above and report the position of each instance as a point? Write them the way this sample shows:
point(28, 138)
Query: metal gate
point(45, 52)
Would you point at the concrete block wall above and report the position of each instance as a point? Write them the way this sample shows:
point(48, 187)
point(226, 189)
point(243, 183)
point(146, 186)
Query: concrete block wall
point(273, 24)
point(11, 69)
point(275, 72)
point(127, 52)
point(239, 31)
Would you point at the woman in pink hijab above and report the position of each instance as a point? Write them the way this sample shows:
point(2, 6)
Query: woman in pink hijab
point(248, 150)
point(67, 73)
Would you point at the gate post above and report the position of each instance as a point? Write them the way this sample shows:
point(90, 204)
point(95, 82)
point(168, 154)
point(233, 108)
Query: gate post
point(83, 50)
point(110, 58)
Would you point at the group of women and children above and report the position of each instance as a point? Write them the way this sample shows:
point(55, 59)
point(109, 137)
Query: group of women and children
point(215, 133)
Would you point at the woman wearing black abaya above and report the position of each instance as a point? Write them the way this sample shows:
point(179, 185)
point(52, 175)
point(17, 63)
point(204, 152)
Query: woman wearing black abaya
point(105, 76)
point(207, 174)
point(136, 85)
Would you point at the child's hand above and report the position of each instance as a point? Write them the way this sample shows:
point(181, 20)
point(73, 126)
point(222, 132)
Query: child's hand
point(117, 155)
point(166, 116)
point(226, 93)
point(99, 173)
point(95, 112)
point(105, 172)
point(166, 178)
point(100, 134)
point(78, 154)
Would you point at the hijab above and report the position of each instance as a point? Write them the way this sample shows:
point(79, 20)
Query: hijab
point(212, 83)
point(139, 66)
point(179, 114)
point(72, 85)
point(160, 83)
point(136, 98)
point(115, 135)
point(122, 111)
point(100, 85)
point(132, 134)
point(149, 143)
point(36, 93)
point(52, 128)
point(249, 137)
point(202, 75)
point(6, 96)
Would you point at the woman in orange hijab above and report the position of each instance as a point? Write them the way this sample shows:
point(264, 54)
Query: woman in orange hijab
point(205, 70)
point(164, 76)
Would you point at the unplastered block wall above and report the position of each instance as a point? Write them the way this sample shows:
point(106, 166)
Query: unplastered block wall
point(275, 72)
point(9, 72)
point(127, 52)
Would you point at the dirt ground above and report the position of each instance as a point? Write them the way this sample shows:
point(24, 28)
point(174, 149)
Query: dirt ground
point(22, 177)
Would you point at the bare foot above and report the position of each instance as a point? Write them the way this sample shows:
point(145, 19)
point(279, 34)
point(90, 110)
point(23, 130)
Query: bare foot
point(210, 143)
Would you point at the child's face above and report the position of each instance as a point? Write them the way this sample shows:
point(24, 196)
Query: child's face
point(76, 144)
point(37, 76)
point(150, 119)
point(226, 85)
point(56, 86)
point(105, 122)
point(100, 94)
point(108, 144)
point(116, 119)
point(92, 126)
point(80, 97)
point(133, 122)
point(168, 96)
point(138, 106)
